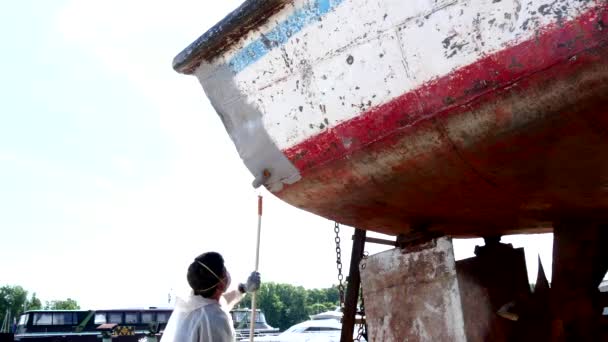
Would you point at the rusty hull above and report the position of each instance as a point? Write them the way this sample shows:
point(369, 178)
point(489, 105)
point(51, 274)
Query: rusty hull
point(513, 160)
point(497, 124)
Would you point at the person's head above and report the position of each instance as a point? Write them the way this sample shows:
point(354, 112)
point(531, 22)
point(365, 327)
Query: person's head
point(208, 276)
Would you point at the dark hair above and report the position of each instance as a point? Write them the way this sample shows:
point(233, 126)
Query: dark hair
point(202, 281)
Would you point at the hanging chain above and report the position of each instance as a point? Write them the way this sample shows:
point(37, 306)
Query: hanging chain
point(362, 323)
point(339, 264)
point(361, 332)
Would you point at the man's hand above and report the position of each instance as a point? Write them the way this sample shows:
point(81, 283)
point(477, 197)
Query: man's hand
point(252, 284)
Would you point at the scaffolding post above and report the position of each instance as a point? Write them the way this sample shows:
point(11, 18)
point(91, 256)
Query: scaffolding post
point(352, 290)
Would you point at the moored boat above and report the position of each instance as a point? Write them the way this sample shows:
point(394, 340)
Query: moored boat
point(86, 325)
point(320, 330)
point(242, 323)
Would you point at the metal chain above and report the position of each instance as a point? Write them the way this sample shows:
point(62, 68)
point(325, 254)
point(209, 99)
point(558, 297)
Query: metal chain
point(360, 332)
point(339, 264)
point(363, 326)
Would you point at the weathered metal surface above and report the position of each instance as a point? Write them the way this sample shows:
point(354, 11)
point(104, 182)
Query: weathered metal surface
point(580, 262)
point(382, 114)
point(421, 294)
point(251, 14)
point(413, 295)
point(533, 311)
point(489, 282)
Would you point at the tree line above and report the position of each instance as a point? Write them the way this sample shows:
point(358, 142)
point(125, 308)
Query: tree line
point(15, 300)
point(285, 305)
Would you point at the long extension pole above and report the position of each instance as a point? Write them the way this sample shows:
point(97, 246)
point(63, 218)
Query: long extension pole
point(257, 263)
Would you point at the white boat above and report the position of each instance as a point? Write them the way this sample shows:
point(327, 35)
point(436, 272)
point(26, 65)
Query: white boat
point(242, 319)
point(316, 330)
point(335, 314)
point(456, 115)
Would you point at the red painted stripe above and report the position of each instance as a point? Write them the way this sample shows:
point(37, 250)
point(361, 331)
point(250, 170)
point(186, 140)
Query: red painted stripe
point(555, 44)
point(259, 205)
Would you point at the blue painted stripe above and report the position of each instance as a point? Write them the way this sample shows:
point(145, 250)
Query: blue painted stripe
point(279, 35)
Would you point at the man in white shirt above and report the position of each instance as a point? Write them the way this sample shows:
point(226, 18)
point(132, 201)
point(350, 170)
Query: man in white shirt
point(205, 315)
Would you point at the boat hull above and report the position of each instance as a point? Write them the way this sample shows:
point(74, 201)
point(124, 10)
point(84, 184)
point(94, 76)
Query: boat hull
point(468, 117)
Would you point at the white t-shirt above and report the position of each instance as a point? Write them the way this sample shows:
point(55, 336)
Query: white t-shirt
point(198, 319)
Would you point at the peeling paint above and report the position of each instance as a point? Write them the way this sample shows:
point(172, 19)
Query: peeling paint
point(349, 75)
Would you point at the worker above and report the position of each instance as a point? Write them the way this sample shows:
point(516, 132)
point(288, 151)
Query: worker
point(204, 316)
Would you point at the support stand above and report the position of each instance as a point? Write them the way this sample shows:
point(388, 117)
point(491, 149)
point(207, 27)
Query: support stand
point(352, 291)
point(412, 294)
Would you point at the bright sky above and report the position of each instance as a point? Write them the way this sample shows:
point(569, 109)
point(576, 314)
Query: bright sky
point(115, 172)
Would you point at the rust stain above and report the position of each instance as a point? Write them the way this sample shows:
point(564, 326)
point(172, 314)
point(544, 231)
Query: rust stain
point(421, 178)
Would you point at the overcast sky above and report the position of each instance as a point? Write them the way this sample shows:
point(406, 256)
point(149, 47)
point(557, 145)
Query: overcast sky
point(115, 172)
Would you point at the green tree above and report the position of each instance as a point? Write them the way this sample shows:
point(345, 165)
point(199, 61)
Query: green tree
point(295, 304)
point(68, 304)
point(270, 303)
point(316, 296)
point(315, 309)
point(285, 305)
point(13, 299)
point(33, 303)
point(332, 295)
